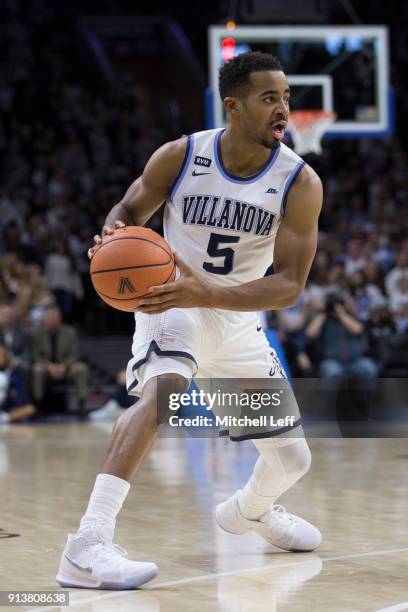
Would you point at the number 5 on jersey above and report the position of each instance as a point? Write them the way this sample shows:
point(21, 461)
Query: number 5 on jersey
point(214, 250)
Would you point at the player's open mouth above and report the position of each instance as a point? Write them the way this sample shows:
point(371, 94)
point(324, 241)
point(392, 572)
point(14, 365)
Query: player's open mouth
point(278, 129)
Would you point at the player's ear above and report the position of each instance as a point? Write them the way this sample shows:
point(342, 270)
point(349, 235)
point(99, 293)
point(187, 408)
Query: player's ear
point(231, 105)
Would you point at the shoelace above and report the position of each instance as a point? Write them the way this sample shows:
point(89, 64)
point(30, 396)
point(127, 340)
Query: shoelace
point(108, 548)
point(280, 516)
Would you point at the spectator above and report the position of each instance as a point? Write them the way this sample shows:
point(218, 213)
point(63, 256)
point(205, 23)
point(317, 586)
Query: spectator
point(373, 275)
point(62, 278)
point(55, 352)
point(14, 336)
point(393, 278)
point(317, 284)
point(401, 319)
point(354, 259)
point(15, 404)
point(380, 329)
point(399, 296)
point(364, 295)
point(40, 299)
point(341, 340)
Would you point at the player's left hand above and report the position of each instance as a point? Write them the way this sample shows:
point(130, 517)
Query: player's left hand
point(188, 291)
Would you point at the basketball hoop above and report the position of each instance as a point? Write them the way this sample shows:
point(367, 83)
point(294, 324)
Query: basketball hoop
point(307, 128)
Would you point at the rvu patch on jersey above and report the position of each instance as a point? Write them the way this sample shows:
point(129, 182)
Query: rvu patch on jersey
point(202, 161)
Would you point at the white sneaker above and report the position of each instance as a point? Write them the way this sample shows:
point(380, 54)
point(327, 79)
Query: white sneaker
point(91, 561)
point(276, 526)
point(108, 412)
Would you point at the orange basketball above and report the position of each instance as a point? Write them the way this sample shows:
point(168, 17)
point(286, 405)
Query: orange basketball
point(128, 263)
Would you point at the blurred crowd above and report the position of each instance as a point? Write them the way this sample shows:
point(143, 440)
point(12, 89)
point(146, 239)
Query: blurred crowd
point(68, 151)
point(353, 315)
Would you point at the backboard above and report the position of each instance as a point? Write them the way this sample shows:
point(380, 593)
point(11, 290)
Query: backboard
point(341, 69)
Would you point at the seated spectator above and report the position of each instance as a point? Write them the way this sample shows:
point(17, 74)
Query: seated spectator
point(380, 328)
point(15, 404)
point(336, 278)
point(373, 275)
point(341, 339)
point(364, 294)
point(40, 299)
point(399, 295)
point(394, 276)
point(62, 278)
point(14, 335)
point(55, 354)
point(401, 319)
point(317, 282)
point(354, 258)
point(117, 403)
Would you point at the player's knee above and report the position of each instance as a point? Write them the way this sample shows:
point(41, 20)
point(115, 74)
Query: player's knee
point(152, 408)
point(161, 387)
point(168, 389)
point(173, 383)
point(293, 459)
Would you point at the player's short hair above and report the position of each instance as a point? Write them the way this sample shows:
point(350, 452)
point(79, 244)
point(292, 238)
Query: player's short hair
point(233, 79)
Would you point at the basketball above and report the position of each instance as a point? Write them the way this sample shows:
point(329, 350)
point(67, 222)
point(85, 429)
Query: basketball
point(128, 263)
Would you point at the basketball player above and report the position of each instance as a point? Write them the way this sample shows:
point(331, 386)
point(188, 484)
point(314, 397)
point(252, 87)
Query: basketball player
point(235, 199)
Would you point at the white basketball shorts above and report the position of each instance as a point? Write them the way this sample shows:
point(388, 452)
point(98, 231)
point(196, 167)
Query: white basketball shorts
point(207, 345)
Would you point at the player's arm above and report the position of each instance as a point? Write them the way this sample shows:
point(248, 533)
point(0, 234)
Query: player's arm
point(295, 248)
point(149, 191)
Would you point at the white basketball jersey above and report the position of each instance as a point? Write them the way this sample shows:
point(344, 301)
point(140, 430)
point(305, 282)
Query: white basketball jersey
point(224, 226)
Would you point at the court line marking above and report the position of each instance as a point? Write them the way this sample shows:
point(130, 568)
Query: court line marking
point(163, 585)
point(396, 608)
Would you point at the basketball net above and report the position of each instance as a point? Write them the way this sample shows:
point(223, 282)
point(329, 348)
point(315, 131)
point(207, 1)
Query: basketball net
point(307, 128)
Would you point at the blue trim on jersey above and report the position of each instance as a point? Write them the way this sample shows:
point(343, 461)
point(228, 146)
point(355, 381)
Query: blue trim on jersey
point(240, 179)
point(154, 348)
point(292, 178)
point(184, 165)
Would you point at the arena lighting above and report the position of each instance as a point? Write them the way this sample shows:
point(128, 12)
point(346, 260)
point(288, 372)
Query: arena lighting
point(228, 48)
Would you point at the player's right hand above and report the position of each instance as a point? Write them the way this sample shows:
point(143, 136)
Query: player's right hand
point(106, 230)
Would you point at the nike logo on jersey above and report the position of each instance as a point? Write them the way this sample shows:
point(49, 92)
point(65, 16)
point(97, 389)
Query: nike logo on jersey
point(194, 173)
point(271, 190)
point(258, 328)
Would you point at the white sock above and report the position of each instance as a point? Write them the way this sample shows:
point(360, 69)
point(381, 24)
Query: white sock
point(106, 500)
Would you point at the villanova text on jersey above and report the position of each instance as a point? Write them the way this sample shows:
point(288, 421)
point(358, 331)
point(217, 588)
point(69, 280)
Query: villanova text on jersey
point(227, 214)
point(225, 225)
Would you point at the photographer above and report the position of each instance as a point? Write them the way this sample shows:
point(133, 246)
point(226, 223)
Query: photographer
point(15, 403)
point(341, 340)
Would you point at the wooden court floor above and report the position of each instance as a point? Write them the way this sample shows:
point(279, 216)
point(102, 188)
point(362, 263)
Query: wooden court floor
point(356, 492)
